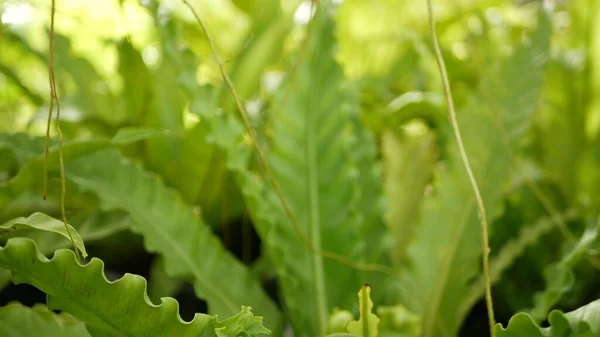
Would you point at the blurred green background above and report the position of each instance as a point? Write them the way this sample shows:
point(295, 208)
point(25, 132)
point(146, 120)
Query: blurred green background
point(128, 66)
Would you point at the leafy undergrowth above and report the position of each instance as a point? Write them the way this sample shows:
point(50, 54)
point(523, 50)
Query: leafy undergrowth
point(346, 110)
point(119, 308)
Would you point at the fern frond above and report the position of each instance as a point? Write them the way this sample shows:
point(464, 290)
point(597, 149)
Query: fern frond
point(119, 308)
point(171, 228)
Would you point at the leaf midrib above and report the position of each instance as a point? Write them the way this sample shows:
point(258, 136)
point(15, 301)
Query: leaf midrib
point(430, 313)
point(314, 220)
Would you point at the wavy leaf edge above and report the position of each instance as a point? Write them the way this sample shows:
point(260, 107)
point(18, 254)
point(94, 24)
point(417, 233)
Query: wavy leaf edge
point(95, 263)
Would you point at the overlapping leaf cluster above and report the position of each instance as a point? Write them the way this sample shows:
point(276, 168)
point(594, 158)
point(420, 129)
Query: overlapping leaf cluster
point(345, 106)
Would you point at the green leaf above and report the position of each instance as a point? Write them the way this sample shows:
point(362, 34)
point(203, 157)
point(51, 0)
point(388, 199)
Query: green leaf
point(24, 146)
point(411, 105)
point(446, 254)
point(30, 151)
point(128, 135)
point(184, 157)
point(17, 320)
point(90, 227)
point(325, 164)
point(43, 222)
point(318, 155)
point(137, 81)
point(338, 321)
point(561, 137)
point(244, 322)
point(311, 157)
point(409, 159)
point(314, 154)
point(93, 227)
point(188, 169)
point(14, 77)
point(262, 51)
point(164, 154)
point(505, 258)
point(161, 285)
point(375, 243)
point(369, 36)
point(93, 98)
point(171, 228)
point(366, 326)
point(583, 322)
point(119, 308)
point(398, 321)
point(559, 277)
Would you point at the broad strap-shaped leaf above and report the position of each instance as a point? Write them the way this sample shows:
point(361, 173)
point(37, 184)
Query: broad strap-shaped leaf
point(185, 166)
point(446, 252)
point(261, 52)
point(94, 99)
point(171, 228)
point(313, 157)
point(366, 325)
point(583, 322)
point(43, 222)
point(409, 159)
point(119, 308)
point(184, 158)
point(318, 156)
point(17, 320)
point(136, 81)
point(559, 276)
point(376, 243)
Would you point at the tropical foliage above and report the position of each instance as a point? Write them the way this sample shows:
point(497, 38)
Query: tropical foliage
point(245, 168)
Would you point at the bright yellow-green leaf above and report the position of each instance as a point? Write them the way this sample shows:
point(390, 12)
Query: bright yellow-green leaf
point(366, 326)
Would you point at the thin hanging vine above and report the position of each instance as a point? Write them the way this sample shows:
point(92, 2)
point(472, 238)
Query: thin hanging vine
point(485, 245)
point(53, 100)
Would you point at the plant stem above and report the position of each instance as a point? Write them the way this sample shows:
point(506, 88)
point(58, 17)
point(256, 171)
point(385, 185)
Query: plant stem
point(465, 159)
point(54, 98)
